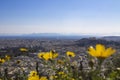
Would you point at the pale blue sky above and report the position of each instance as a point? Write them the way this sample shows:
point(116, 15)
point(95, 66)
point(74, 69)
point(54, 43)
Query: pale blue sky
point(60, 16)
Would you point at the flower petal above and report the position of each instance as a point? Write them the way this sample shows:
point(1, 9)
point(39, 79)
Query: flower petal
point(92, 51)
point(100, 49)
point(108, 52)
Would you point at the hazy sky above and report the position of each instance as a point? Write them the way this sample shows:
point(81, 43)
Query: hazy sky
point(60, 16)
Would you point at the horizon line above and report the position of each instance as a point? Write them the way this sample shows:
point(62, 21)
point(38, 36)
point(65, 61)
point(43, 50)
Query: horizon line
point(74, 34)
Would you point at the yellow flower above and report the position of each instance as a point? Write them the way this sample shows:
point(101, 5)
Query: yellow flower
point(7, 57)
point(48, 55)
point(54, 55)
point(2, 60)
point(100, 51)
point(40, 55)
point(33, 76)
point(33, 73)
point(43, 78)
point(70, 54)
point(23, 49)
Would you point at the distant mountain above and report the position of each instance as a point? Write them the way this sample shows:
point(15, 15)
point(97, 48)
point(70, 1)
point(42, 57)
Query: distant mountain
point(59, 36)
point(48, 36)
point(86, 42)
point(111, 38)
point(43, 34)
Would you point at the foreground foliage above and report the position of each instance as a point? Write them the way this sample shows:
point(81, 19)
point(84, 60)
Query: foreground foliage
point(69, 66)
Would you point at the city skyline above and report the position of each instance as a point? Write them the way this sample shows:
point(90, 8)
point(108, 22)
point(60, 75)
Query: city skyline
point(60, 16)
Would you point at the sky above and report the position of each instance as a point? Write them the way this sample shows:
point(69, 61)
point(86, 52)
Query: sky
point(60, 16)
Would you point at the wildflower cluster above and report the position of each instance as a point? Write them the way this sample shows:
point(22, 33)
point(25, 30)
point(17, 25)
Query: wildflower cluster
point(23, 49)
point(6, 58)
point(34, 76)
point(71, 66)
point(48, 55)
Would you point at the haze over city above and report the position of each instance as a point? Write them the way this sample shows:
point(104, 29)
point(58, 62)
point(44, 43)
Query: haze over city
point(60, 16)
